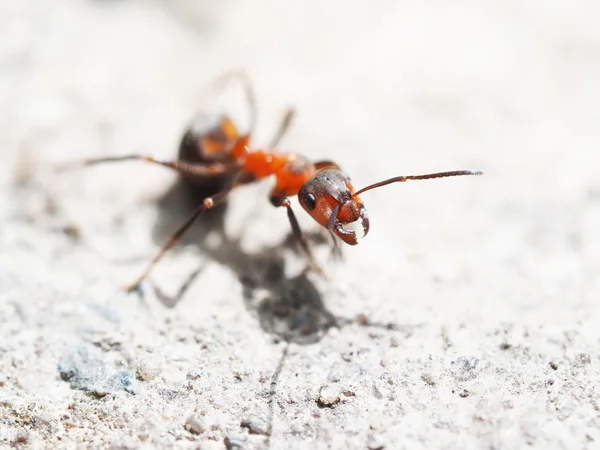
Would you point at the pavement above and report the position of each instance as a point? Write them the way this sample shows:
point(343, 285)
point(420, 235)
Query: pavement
point(466, 319)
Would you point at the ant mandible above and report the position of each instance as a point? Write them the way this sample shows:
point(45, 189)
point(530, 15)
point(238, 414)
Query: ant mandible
point(323, 190)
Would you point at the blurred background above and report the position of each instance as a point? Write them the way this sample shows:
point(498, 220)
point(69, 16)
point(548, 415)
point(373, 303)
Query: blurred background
point(510, 88)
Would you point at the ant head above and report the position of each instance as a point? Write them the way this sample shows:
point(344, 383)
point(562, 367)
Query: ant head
point(328, 198)
point(332, 201)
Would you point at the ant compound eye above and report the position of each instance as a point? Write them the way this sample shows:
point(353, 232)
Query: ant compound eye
point(310, 201)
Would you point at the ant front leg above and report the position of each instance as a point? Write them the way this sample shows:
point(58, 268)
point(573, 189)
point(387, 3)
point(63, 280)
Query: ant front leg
point(298, 235)
point(184, 167)
point(336, 250)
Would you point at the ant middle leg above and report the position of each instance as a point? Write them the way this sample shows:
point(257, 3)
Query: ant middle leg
point(208, 203)
point(301, 239)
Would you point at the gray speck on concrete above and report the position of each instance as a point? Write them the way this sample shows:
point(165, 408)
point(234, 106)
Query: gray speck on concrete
point(377, 393)
point(85, 370)
point(121, 381)
point(464, 368)
point(582, 360)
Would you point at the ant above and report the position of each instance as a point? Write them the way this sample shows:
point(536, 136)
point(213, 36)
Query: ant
point(218, 156)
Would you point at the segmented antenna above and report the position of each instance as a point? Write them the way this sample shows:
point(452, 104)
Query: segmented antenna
point(401, 179)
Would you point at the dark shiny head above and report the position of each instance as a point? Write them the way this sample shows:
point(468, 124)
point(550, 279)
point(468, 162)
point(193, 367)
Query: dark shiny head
point(328, 198)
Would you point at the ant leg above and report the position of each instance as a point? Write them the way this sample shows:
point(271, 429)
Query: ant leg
point(298, 235)
point(283, 127)
point(336, 251)
point(244, 79)
point(207, 204)
point(184, 167)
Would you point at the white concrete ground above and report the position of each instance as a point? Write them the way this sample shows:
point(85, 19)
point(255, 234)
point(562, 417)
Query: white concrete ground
point(467, 319)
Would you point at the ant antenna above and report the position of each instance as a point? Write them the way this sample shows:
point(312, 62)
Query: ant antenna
point(401, 179)
point(244, 79)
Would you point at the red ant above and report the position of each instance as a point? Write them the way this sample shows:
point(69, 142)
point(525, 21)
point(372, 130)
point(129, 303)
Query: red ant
point(222, 154)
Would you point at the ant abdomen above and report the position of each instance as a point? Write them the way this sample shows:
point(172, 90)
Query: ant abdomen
point(208, 140)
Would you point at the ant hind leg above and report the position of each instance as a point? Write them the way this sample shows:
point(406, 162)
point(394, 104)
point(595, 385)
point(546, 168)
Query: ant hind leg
point(184, 167)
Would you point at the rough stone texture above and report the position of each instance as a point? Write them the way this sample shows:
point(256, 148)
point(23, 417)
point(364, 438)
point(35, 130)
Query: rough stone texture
point(467, 319)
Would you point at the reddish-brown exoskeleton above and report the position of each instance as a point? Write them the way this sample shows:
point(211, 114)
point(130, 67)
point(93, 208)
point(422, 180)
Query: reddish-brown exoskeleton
point(214, 142)
point(323, 190)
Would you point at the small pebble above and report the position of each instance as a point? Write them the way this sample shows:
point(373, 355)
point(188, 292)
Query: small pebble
point(428, 379)
point(328, 397)
point(148, 368)
point(233, 443)
point(193, 374)
point(362, 319)
point(256, 425)
point(195, 424)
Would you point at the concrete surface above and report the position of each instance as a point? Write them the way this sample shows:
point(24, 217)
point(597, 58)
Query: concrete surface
point(467, 319)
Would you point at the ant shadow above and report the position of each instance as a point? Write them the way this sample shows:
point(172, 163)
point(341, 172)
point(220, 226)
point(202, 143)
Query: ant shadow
point(289, 308)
